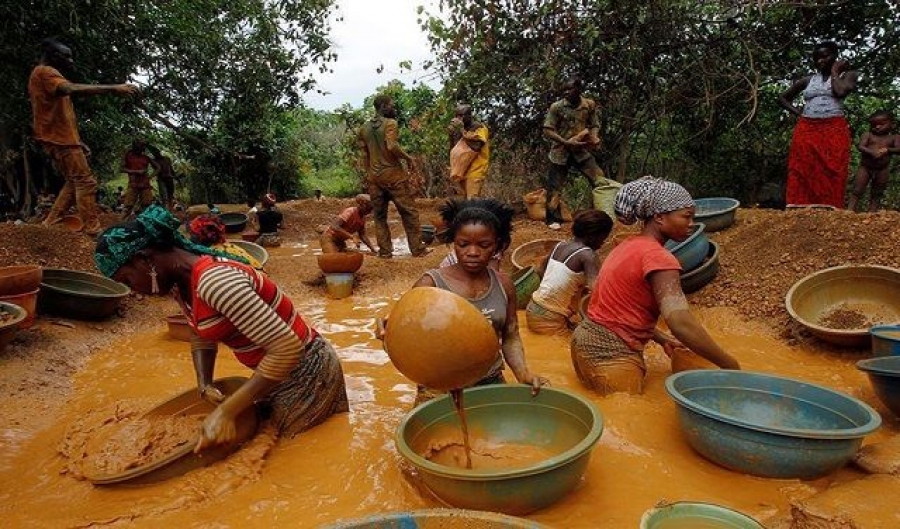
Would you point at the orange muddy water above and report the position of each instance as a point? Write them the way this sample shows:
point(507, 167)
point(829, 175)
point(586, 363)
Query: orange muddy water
point(348, 466)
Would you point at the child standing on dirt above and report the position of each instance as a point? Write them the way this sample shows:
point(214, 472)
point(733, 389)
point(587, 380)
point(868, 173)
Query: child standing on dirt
point(876, 147)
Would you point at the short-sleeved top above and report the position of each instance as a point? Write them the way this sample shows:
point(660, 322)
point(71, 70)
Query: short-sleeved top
point(269, 220)
point(567, 121)
point(54, 116)
point(137, 162)
point(819, 99)
point(236, 305)
point(622, 300)
point(350, 221)
point(477, 170)
point(377, 136)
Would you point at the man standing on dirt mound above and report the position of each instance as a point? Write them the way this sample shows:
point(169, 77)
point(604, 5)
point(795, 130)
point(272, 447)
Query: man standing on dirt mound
point(387, 179)
point(573, 128)
point(56, 129)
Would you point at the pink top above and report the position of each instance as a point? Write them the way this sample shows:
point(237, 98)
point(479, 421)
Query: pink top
point(622, 300)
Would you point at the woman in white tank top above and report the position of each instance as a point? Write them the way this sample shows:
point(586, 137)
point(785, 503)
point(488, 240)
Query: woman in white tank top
point(570, 268)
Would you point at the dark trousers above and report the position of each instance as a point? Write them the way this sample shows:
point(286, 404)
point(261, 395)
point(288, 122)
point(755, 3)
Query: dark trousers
point(402, 197)
point(557, 177)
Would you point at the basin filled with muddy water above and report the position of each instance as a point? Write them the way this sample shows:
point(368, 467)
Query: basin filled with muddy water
point(348, 467)
point(505, 449)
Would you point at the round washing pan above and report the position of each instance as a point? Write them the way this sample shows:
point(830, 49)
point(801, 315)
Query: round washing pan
point(563, 424)
point(19, 279)
point(884, 375)
point(716, 213)
point(183, 459)
point(526, 282)
point(869, 289)
point(438, 519)
point(702, 275)
point(769, 426)
point(79, 295)
point(532, 253)
point(691, 251)
point(258, 252)
point(234, 222)
point(12, 317)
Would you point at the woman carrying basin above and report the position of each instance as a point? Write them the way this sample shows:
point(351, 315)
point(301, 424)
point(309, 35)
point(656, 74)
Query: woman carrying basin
point(477, 228)
point(226, 301)
point(639, 282)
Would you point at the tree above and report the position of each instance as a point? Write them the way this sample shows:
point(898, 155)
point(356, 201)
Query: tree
point(673, 78)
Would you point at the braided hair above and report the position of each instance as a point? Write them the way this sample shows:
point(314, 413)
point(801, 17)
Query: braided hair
point(486, 211)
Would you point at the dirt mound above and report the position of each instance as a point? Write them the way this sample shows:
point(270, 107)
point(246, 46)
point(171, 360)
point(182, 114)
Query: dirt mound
point(767, 251)
point(56, 247)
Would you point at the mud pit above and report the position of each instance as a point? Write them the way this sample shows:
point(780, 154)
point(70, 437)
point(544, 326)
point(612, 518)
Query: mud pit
point(51, 376)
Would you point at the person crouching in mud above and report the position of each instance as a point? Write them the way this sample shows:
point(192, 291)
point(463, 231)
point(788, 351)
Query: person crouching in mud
point(350, 222)
point(638, 282)
point(296, 371)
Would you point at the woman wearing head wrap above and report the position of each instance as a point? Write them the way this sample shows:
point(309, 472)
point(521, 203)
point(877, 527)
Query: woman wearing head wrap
point(638, 282)
point(209, 230)
point(350, 222)
point(226, 301)
point(477, 228)
point(270, 220)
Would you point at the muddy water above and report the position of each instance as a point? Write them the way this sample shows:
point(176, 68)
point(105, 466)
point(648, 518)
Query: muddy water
point(348, 466)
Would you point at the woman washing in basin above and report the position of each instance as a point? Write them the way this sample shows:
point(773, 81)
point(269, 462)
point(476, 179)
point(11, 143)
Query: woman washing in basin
point(639, 282)
point(295, 370)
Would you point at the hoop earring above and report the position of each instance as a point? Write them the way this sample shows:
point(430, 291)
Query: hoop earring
point(154, 284)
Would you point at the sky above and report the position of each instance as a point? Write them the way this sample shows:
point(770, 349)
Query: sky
point(372, 33)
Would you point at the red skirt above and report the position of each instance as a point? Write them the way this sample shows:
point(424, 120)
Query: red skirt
point(819, 162)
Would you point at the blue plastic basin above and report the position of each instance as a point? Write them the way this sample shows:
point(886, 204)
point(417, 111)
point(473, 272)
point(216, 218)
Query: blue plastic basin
point(691, 251)
point(885, 340)
point(716, 213)
point(884, 374)
point(769, 426)
point(438, 518)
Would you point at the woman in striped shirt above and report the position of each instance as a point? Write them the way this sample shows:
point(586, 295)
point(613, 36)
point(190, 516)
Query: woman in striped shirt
point(226, 301)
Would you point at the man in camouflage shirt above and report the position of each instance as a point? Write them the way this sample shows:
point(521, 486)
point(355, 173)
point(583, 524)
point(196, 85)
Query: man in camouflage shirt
point(387, 179)
point(573, 128)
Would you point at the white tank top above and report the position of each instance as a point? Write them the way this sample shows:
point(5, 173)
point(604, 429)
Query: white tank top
point(560, 285)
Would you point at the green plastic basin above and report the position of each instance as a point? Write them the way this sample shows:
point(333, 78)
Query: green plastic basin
point(558, 422)
point(526, 282)
point(79, 295)
point(438, 519)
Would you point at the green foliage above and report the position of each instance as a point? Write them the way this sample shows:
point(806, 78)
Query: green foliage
point(227, 71)
point(688, 90)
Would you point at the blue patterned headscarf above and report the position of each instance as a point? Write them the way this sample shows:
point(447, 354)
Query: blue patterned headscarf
point(155, 226)
point(649, 196)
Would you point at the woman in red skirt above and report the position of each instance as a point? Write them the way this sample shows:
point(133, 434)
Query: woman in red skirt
point(819, 160)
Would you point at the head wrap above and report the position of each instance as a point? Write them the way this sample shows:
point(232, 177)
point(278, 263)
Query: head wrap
point(155, 226)
point(207, 230)
point(268, 200)
point(649, 196)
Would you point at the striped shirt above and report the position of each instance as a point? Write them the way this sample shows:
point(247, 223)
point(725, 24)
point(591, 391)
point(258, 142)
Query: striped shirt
point(241, 307)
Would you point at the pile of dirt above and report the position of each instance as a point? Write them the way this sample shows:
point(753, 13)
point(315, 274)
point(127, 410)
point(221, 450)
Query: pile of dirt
point(767, 251)
point(56, 247)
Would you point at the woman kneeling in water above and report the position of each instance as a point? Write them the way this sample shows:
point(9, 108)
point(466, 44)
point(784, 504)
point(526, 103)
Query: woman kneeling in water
point(638, 282)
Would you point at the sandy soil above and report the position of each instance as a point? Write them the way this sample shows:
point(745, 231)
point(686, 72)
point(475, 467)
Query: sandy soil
point(762, 256)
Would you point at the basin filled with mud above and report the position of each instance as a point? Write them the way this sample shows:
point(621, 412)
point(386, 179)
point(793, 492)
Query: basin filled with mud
point(527, 452)
point(159, 444)
point(438, 519)
point(840, 304)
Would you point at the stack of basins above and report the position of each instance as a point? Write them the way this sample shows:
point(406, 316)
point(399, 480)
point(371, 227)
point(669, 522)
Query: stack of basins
point(19, 285)
point(699, 257)
point(339, 269)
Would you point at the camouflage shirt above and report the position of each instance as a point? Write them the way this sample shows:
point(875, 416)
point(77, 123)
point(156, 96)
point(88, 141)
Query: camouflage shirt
point(568, 121)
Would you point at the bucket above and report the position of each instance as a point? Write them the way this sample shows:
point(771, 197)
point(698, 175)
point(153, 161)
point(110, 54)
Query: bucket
point(693, 515)
point(885, 340)
point(339, 285)
point(27, 301)
point(604, 197)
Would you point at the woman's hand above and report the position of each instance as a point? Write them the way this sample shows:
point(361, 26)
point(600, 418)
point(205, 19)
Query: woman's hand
point(535, 381)
point(211, 394)
point(218, 428)
point(669, 343)
point(380, 327)
point(840, 66)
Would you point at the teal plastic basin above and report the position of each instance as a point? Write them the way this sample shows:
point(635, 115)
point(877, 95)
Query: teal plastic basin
point(438, 519)
point(716, 213)
point(884, 375)
point(769, 426)
point(688, 513)
point(557, 421)
point(885, 340)
point(691, 251)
